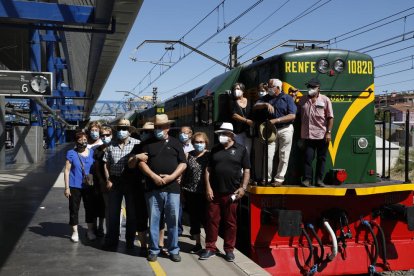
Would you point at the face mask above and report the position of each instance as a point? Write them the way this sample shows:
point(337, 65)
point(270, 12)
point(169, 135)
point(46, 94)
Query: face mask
point(183, 137)
point(106, 140)
point(271, 92)
point(238, 93)
point(199, 147)
point(159, 134)
point(81, 146)
point(145, 136)
point(262, 93)
point(223, 139)
point(122, 134)
point(94, 135)
point(312, 91)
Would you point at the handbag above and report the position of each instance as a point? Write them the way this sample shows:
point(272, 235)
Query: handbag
point(87, 179)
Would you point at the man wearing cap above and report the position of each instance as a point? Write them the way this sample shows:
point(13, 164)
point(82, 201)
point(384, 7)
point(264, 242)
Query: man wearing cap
point(281, 113)
point(119, 184)
point(166, 162)
point(315, 111)
point(226, 176)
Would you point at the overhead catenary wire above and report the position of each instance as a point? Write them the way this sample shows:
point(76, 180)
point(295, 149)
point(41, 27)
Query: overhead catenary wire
point(397, 61)
point(392, 83)
point(295, 19)
point(335, 39)
point(392, 52)
point(201, 44)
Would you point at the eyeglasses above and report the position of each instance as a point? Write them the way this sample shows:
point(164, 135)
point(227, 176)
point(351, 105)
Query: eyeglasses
point(123, 128)
point(105, 135)
point(199, 142)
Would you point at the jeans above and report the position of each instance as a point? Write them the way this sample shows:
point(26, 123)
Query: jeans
point(282, 147)
point(115, 196)
point(157, 203)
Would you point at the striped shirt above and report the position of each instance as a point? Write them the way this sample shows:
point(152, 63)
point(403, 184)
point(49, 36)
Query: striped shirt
point(117, 157)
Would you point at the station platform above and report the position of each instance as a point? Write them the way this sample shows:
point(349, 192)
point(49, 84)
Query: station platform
point(35, 235)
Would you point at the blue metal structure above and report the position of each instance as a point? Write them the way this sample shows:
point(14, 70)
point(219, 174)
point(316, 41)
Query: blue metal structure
point(68, 40)
point(114, 108)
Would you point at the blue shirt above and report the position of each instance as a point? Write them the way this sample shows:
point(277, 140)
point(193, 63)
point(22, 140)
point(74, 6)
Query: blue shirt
point(283, 105)
point(75, 174)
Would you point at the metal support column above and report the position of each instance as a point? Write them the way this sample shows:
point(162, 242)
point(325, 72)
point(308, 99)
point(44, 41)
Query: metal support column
point(50, 52)
point(2, 133)
point(35, 65)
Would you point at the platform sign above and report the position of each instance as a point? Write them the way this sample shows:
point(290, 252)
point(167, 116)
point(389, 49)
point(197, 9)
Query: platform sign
point(25, 83)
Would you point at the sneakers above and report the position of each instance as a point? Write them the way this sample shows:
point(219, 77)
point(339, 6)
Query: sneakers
point(319, 183)
point(229, 256)
point(175, 258)
point(74, 237)
point(196, 248)
point(91, 235)
point(207, 254)
point(152, 258)
point(306, 183)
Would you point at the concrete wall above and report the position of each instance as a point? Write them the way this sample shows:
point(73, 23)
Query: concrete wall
point(28, 144)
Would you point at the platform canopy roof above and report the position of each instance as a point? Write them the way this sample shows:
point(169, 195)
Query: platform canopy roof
point(89, 54)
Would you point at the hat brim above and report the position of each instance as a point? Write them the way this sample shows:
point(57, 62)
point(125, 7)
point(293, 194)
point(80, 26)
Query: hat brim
point(169, 122)
point(224, 130)
point(272, 135)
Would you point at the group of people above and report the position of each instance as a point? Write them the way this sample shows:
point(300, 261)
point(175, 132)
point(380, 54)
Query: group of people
point(275, 112)
point(156, 172)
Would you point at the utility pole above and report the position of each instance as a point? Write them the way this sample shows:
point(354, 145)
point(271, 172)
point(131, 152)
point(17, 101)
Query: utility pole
point(233, 42)
point(154, 95)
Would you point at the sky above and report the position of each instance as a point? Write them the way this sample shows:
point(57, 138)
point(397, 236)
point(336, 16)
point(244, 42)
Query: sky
point(326, 20)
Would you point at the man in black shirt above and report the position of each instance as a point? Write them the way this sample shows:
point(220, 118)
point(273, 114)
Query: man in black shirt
point(166, 162)
point(227, 176)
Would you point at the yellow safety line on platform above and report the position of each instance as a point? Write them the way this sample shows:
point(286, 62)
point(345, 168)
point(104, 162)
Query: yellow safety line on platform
point(156, 267)
point(384, 189)
point(297, 191)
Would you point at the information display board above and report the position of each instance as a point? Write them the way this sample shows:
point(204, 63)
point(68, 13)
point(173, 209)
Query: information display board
point(25, 83)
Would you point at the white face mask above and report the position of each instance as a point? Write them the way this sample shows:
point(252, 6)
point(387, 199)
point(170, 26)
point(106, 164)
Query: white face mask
point(238, 93)
point(312, 91)
point(223, 139)
point(271, 92)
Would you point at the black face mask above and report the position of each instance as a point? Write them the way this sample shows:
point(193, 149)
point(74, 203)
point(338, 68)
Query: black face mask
point(81, 146)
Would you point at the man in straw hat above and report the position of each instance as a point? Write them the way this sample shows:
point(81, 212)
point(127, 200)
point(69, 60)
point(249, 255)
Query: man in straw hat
point(227, 175)
point(316, 115)
point(166, 162)
point(119, 185)
point(281, 113)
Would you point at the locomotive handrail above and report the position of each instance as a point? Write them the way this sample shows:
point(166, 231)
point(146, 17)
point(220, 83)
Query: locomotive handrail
point(334, 252)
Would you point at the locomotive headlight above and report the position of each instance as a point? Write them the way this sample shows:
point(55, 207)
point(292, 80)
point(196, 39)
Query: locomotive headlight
point(362, 143)
point(339, 65)
point(323, 66)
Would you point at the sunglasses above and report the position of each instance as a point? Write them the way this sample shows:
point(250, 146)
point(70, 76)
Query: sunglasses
point(105, 135)
point(199, 142)
point(123, 128)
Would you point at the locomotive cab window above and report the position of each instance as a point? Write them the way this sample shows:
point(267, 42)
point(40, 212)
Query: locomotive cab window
point(203, 114)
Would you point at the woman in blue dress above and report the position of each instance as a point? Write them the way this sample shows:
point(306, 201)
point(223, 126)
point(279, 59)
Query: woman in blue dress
point(78, 164)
